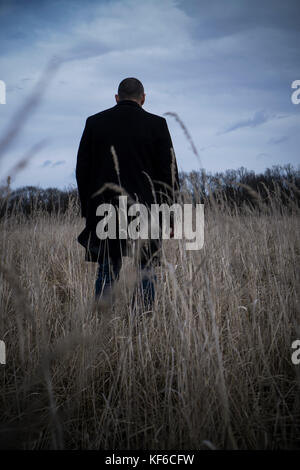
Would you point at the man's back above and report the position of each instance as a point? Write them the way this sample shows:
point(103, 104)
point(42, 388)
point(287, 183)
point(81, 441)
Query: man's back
point(141, 154)
point(123, 150)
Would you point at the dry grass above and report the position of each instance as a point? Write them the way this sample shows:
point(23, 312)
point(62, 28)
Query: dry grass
point(210, 368)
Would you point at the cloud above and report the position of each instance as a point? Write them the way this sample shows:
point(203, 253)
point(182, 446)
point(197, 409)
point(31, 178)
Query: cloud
point(259, 118)
point(58, 163)
point(278, 140)
point(46, 164)
point(50, 163)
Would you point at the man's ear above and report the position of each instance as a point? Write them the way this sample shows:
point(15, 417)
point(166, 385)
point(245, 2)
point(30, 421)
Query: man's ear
point(117, 98)
point(143, 99)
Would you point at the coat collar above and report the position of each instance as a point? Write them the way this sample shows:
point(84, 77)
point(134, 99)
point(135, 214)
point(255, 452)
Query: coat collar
point(129, 102)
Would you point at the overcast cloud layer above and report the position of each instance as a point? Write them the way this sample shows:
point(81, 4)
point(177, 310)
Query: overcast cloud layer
point(225, 67)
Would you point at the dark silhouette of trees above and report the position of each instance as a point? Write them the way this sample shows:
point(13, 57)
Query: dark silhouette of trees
point(29, 200)
point(239, 189)
point(242, 188)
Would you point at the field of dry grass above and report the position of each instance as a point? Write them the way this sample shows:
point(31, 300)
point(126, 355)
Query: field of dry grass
point(210, 368)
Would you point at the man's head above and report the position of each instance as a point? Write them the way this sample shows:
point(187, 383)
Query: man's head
point(131, 89)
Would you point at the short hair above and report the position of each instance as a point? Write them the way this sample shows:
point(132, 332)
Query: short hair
point(130, 88)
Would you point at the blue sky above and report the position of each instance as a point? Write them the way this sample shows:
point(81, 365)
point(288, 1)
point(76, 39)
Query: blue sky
point(224, 66)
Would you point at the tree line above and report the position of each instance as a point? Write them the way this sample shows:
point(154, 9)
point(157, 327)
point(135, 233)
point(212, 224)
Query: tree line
point(238, 189)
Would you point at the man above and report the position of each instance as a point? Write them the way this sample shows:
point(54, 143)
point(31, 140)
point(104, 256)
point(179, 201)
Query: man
point(123, 150)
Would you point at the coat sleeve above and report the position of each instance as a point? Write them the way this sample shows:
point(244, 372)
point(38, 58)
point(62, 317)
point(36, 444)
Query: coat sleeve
point(166, 174)
point(83, 168)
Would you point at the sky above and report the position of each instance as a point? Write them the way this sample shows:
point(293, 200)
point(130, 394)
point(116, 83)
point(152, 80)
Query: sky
point(225, 67)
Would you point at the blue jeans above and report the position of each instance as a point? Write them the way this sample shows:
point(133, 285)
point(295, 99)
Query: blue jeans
point(108, 272)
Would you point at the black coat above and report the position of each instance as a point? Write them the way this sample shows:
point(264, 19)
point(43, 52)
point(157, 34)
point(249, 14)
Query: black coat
point(145, 168)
